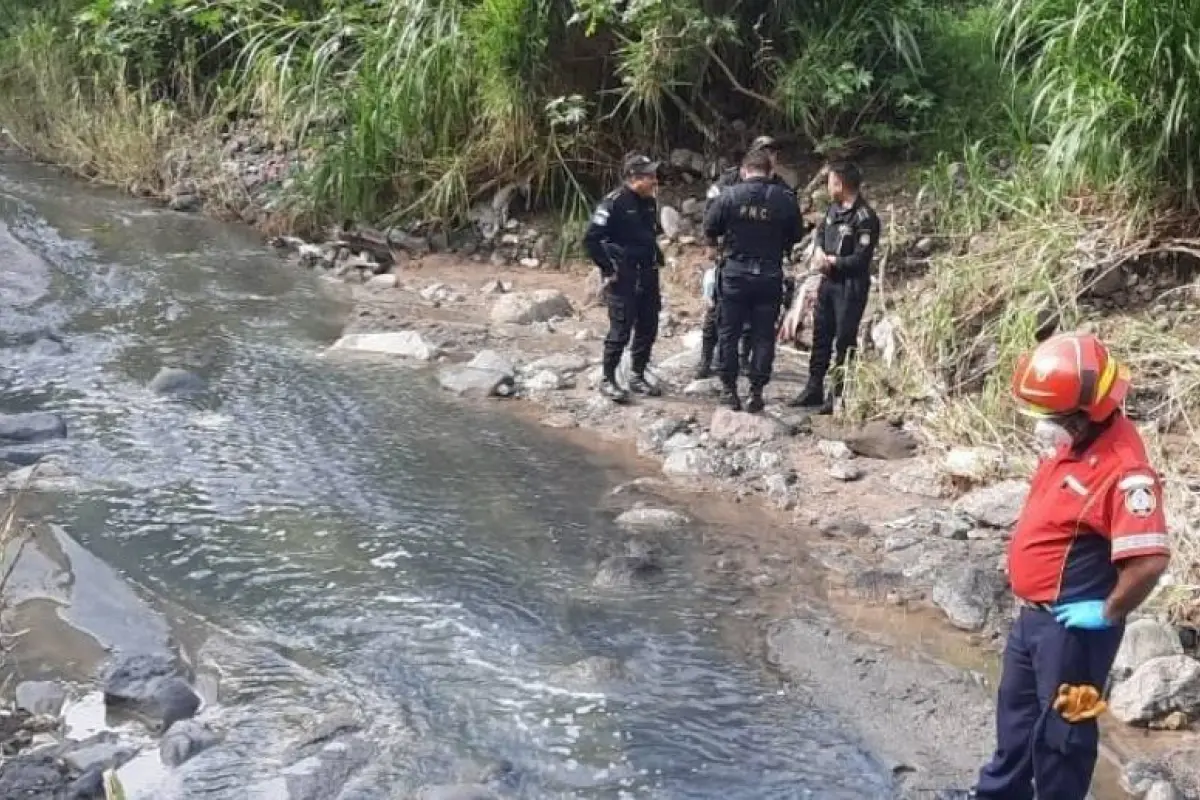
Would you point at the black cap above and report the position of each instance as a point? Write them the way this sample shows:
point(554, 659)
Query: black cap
point(638, 165)
point(763, 143)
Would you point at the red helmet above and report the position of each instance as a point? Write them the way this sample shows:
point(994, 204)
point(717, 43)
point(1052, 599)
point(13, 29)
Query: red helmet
point(1069, 373)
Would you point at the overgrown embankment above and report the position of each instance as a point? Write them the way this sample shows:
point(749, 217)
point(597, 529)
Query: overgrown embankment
point(1056, 138)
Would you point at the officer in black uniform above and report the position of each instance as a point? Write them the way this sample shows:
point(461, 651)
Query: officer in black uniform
point(728, 178)
point(622, 240)
point(758, 221)
point(846, 239)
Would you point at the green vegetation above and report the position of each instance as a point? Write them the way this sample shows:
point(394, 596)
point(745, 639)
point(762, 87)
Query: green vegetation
point(1038, 124)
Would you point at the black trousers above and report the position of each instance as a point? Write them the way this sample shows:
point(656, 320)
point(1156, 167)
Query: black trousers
point(634, 303)
point(840, 307)
point(749, 294)
point(712, 322)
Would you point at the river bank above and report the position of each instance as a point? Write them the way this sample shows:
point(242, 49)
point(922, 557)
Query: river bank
point(902, 544)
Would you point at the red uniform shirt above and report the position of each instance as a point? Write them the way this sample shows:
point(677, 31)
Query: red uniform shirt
point(1087, 510)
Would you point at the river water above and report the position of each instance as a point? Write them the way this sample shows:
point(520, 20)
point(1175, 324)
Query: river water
point(343, 539)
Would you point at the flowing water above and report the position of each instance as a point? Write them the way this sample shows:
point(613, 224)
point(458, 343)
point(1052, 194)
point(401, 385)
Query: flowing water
point(351, 541)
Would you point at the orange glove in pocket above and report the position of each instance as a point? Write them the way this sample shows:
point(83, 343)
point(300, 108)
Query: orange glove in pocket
point(1079, 703)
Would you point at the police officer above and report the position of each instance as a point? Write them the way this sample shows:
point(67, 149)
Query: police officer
point(845, 239)
point(622, 240)
point(1087, 550)
point(728, 178)
point(759, 222)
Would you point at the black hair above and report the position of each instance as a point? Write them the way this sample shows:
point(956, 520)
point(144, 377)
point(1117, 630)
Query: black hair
point(757, 161)
point(848, 173)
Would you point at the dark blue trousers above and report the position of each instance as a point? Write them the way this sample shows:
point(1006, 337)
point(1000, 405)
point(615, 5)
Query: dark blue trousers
point(1034, 744)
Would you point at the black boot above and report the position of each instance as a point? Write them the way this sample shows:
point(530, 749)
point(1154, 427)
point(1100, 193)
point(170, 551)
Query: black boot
point(613, 391)
point(756, 403)
point(704, 368)
point(809, 398)
point(639, 385)
point(729, 398)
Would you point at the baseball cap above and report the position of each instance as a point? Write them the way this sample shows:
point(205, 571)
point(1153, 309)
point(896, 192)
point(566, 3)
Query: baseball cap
point(763, 143)
point(639, 165)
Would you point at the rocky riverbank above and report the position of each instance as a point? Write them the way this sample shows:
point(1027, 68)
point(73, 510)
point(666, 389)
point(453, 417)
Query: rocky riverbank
point(894, 523)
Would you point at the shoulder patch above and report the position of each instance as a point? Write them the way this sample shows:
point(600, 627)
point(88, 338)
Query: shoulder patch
point(864, 239)
point(863, 214)
point(713, 191)
point(600, 216)
point(1140, 500)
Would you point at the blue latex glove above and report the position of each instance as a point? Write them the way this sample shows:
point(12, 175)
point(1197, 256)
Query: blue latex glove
point(1085, 614)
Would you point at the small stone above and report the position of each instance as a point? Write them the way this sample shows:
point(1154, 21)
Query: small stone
point(740, 429)
point(185, 740)
point(652, 519)
point(843, 471)
point(382, 282)
point(845, 527)
point(406, 344)
point(494, 287)
point(544, 381)
point(996, 506)
point(530, 263)
point(671, 220)
point(834, 449)
point(704, 387)
point(529, 307)
point(924, 247)
point(1162, 790)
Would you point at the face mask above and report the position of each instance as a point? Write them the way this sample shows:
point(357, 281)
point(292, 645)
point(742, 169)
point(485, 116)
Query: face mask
point(1051, 436)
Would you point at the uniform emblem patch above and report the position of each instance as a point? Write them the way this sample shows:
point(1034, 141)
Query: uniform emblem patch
point(1140, 501)
point(600, 217)
point(865, 239)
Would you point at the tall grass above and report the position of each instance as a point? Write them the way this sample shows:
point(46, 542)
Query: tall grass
point(1117, 85)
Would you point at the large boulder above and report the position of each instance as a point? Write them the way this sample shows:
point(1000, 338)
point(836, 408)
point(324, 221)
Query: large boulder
point(149, 686)
point(967, 595)
point(1144, 639)
point(1158, 687)
point(34, 426)
point(488, 374)
point(525, 308)
point(739, 429)
point(405, 344)
point(996, 506)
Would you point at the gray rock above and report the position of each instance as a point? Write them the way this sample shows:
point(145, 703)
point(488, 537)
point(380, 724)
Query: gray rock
point(563, 363)
point(689, 463)
point(739, 429)
point(148, 685)
point(1138, 776)
point(525, 308)
point(38, 776)
point(1158, 687)
point(704, 387)
point(458, 791)
point(33, 426)
point(102, 751)
point(41, 697)
point(545, 381)
point(996, 506)
point(48, 474)
point(692, 207)
point(652, 437)
point(967, 596)
point(383, 282)
point(831, 448)
point(185, 202)
point(492, 361)
point(652, 519)
point(494, 287)
point(845, 472)
point(1144, 639)
point(177, 382)
point(672, 221)
point(185, 740)
point(467, 381)
point(845, 527)
point(405, 344)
